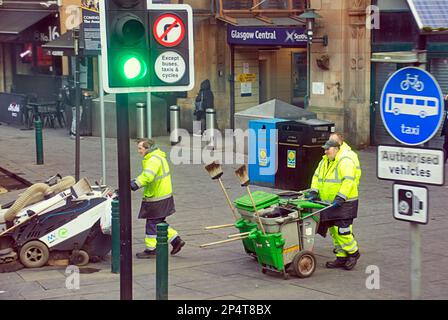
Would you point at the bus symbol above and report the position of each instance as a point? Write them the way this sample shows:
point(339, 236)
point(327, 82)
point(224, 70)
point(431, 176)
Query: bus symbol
point(412, 105)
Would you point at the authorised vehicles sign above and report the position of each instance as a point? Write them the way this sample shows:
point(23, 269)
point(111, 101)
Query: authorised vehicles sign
point(410, 164)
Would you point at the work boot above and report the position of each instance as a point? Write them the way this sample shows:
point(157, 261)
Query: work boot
point(351, 260)
point(338, 263)
point(177, 244)
point(147, 254)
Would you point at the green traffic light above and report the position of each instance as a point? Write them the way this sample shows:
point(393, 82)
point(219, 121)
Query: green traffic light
point(134, 68)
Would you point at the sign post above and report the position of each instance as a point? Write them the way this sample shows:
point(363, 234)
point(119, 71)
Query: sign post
point(144, 48)
point(412, 112)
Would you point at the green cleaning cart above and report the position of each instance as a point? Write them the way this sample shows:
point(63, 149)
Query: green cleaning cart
point(247, 222)
point(289, 239)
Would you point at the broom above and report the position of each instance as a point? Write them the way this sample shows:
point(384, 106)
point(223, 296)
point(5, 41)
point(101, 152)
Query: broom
point(215, 171)
point(241, 173)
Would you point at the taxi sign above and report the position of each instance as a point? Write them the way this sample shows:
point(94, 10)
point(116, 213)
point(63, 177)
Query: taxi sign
point(412, 106)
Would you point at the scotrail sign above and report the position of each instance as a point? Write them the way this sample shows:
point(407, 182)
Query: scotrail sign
point(412, 106)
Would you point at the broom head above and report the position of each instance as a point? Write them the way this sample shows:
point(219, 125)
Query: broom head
point(80, 188)
point(214, 169)
point(241, 173)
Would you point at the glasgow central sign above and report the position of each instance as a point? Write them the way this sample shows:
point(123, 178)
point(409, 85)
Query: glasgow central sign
point(278, 36)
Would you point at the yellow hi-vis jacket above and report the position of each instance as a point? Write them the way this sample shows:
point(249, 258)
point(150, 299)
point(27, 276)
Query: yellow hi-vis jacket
point(340, 177)
point(155, 177)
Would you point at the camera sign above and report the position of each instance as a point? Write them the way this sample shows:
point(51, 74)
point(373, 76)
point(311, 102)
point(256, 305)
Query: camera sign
point(410, 164)
point(410, 203)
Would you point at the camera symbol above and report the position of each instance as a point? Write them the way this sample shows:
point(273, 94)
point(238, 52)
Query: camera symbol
point(408, 203)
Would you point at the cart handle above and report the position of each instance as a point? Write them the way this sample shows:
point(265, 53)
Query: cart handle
point(316, 212)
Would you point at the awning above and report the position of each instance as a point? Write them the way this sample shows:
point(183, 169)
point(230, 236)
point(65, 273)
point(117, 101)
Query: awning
point(263, 22)
point(62, 46)
point(414, 56)
point(13, 22)
point(430, 15)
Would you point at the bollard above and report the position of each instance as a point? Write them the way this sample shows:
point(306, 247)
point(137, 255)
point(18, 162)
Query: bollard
point(210, 119)
point(141, 119)
point(174, 124)
point(115, 267)
point(162, 262)
point(39, 141)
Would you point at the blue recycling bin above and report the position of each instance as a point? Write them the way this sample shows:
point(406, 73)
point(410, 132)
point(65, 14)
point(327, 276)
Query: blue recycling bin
point(262, 151)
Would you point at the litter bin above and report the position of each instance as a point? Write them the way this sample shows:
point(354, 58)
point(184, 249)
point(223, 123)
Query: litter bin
point(141, 119)
point(299, 151)
point(262, 150)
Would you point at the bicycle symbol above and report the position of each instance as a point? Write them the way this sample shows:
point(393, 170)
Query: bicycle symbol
point(411, 82)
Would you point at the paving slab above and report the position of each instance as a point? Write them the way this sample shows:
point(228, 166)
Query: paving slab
point(226, 271)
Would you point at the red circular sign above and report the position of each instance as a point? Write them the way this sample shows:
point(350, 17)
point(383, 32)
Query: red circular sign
point(169, 30)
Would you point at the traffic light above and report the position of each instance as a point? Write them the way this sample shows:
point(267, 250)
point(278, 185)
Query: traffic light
point(127, 51)
point(146, 48)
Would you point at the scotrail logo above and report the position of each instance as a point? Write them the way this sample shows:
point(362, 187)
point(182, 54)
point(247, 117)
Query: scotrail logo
point(294, 36)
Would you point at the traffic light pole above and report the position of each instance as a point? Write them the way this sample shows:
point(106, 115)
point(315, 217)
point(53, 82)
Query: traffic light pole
point(124, 179)
point(77, 102)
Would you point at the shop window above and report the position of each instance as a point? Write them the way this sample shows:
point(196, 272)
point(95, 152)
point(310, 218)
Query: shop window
point(396, 27)
point(31, 59)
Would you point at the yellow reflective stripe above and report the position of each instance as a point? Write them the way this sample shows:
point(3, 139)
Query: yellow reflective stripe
point(164, 171)
point(149, 171)
point(343, 196)
point(162, 176)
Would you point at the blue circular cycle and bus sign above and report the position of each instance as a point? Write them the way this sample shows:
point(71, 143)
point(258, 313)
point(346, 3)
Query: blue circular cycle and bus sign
point(412, 106)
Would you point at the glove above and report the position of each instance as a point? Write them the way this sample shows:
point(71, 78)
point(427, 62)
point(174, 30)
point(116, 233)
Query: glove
point(337, 202)
point(134, 186)
point(313, 195)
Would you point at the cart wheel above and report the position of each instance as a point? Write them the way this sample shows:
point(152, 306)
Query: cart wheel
point(304, 264)
point(80, 259)
point(34, 254)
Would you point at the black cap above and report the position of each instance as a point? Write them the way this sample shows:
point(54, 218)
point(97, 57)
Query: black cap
point(330, 143)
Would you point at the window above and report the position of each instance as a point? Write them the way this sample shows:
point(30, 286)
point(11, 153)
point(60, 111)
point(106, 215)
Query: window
point(420, 102)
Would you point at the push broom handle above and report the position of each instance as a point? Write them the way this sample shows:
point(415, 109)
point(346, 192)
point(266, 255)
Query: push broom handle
point(255, 208)
point(219, 242)
point(228, 199)
point(238, 235)
point(220, 226)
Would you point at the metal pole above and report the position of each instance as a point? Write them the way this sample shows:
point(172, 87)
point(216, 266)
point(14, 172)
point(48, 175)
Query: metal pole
point(77, 101)
point(162, 262)
point(308, 75)
point(148, 115)
point(39, 140)
point(124, 177)
point(416, 268)
point(102, 120)
point(232, 87)
point(115, 267)
point(140, 119)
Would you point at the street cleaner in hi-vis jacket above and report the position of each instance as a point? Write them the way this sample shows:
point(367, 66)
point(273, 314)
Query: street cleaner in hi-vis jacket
point(336, 181)
point(158, 201)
